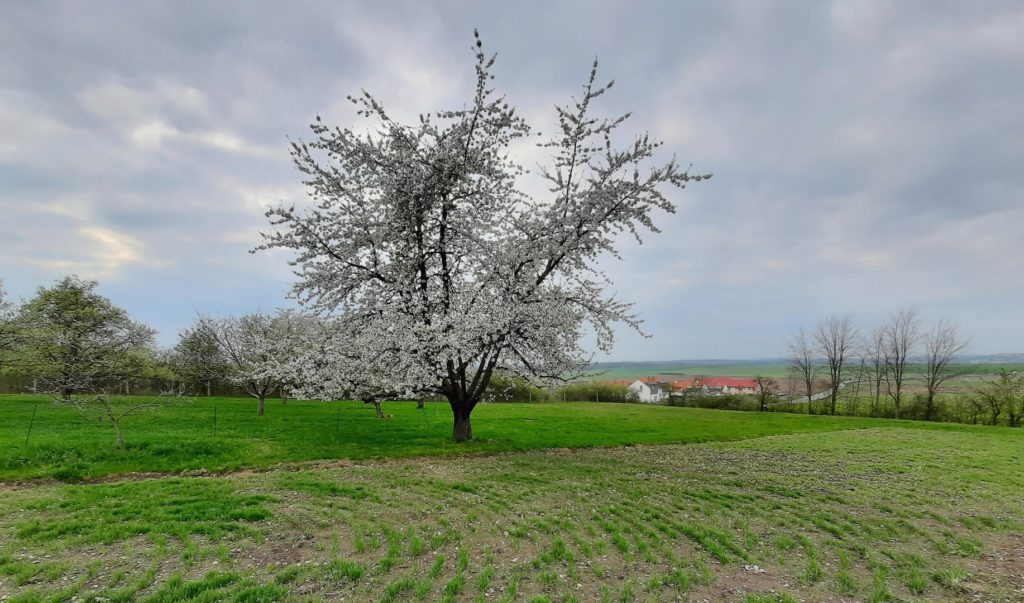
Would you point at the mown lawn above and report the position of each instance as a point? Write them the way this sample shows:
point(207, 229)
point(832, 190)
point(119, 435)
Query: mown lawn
point(70, 446)
point(889, 513)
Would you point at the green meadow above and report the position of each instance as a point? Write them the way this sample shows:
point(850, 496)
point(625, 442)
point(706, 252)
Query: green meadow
point(40, 439)
point(552, 503)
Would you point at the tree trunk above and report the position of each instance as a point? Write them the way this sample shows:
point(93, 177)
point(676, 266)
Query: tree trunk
point(420, 404)
point(209, 388)
point(113, 421)
point(284, 397)
point(120, 436)
point(262, 405)
point(377, 409)
point(462, 431)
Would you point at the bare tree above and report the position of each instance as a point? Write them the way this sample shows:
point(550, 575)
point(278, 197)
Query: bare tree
point(836, 337)
point(114, 412)
point(874, 354)
point(941, 345)
point(853, 407)
point(900, 334)
point(802, 366)
point(767, 390)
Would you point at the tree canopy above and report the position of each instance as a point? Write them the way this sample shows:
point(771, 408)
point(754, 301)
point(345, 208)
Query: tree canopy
point(75, 340)
point(422, 236)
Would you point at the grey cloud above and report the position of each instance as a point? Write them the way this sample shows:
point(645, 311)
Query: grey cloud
point(858, 147)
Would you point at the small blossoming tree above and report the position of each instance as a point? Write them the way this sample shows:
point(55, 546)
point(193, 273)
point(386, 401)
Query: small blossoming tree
point(252, 348)
point(421, 235)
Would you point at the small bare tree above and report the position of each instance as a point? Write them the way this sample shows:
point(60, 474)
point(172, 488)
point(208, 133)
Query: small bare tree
point(767, 391)
point(836, 337)
point(900, 334)
point(113, 412)
point(941, 345)
point(853, 407)
point(874, 355)
point(802, 366)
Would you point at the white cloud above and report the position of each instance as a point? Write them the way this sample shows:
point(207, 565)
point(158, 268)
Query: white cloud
point(86, 247)
point(154, 135)
point(151, 135)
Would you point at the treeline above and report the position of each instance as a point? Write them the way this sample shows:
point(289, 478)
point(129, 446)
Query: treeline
point(900, 368)
point(74, 344)
point(68, 341)
point(997, 402)
point(511, 389)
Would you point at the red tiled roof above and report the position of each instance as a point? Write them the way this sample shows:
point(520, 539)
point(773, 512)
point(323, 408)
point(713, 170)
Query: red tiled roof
point(681, 384)
point(729, 382)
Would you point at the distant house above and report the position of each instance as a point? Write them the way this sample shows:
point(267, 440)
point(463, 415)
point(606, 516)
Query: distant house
point(731, 385)
point(649, 392)
point(714, 386)
point(680, 385)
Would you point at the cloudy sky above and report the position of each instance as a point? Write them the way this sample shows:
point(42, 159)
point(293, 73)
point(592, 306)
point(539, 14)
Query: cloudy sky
point(867, 155)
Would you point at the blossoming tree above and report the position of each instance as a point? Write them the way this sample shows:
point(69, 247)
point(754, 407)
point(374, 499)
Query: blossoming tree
point(341, 360)
point(253, 347)
point(421, 235)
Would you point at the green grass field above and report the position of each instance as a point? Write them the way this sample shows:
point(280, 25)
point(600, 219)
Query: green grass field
point(67, 445)
point(767, 508)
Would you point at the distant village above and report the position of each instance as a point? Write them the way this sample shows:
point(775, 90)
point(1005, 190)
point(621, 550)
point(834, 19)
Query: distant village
point(655, 390)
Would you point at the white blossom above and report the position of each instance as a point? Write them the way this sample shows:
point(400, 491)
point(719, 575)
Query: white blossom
point(433, 266)
point(254, 346)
